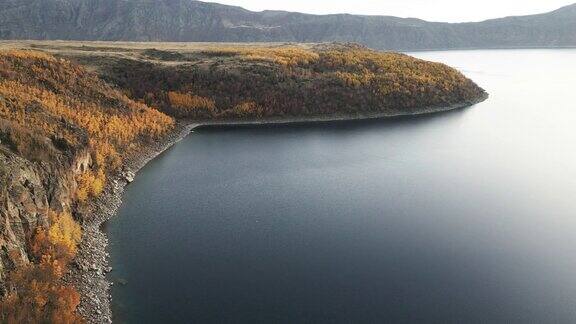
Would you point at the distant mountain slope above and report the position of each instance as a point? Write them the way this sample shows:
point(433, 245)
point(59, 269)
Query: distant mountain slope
point(189, 20)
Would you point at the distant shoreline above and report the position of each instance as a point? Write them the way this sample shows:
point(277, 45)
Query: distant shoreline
point(92, 283)
point(29, 43)
point(18, 43)
point(503, 48)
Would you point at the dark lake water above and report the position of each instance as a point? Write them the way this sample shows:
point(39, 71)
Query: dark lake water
point(461, 217)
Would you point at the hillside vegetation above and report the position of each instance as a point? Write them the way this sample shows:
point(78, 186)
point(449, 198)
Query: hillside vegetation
point(53, 114)
point(250, 82)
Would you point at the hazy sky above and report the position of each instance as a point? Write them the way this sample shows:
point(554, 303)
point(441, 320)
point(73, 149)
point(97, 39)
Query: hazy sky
point(435, 10)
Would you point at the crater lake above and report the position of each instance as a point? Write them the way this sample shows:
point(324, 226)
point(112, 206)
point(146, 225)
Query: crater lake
point(465, 216)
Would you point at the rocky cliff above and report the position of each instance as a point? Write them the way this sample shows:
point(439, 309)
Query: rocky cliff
point(63, 131)
point(189, 20)
point(29, 191)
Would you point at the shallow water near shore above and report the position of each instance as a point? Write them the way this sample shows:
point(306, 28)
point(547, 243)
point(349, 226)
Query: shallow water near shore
point(465, 216)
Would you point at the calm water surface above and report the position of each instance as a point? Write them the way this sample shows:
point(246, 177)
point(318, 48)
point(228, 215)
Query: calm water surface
point(467, 216)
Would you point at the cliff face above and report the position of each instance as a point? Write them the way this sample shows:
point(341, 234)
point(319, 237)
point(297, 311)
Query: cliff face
point(29, 191)
point(24, 208)
point(41, 155)
point(189, 20)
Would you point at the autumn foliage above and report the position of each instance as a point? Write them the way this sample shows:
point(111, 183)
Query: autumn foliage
point(50, 107)
point(35, 293)
point(189, 105)
point(90, 184)
point(251, 82)
point(51, 112)
point(37, 296)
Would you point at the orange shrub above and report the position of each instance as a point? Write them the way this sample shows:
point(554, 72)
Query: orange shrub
point(187, 105)
point(90, 184)
point(35, 292)
point(245, 110)
point(37, 296)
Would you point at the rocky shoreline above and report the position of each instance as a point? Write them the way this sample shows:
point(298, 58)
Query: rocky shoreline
point(90, 267)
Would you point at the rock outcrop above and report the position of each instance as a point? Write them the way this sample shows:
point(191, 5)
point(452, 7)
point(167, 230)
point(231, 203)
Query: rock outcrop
point(27, 194)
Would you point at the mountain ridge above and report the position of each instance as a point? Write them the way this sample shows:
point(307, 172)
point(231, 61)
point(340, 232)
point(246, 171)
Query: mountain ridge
point(190, 20)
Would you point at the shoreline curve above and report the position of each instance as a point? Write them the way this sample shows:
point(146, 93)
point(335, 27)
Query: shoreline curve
point(91, 265)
